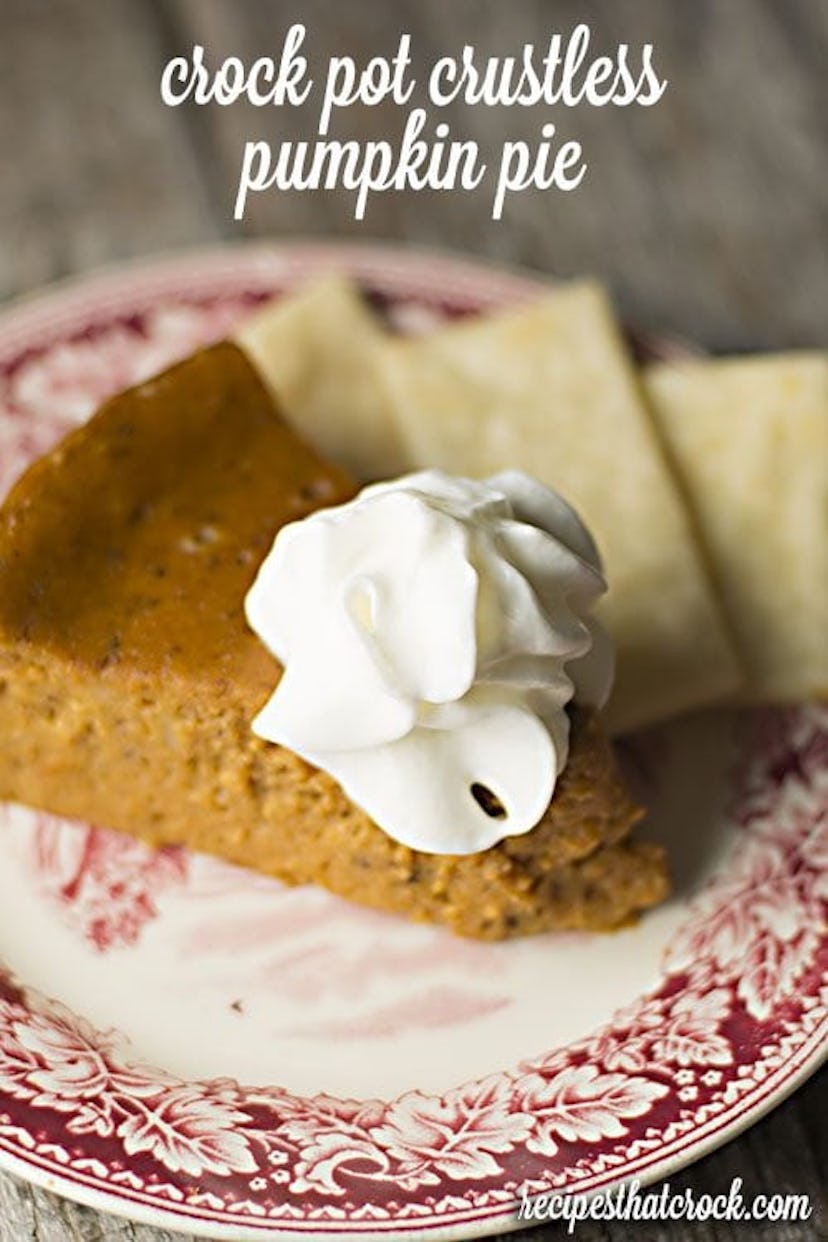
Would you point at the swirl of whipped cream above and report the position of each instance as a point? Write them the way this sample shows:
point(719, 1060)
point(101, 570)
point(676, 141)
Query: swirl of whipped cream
point(432, 631)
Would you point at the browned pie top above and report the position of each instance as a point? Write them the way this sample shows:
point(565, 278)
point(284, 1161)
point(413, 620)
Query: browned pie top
point(132, 545)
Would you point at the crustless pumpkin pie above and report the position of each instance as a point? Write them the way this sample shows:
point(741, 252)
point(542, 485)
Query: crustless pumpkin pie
point(129, 678)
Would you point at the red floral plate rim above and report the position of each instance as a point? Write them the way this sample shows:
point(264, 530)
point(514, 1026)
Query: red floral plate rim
point(738, 1019)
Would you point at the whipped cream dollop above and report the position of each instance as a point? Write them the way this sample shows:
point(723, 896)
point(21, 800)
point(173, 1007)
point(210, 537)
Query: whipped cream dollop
point(432, 632)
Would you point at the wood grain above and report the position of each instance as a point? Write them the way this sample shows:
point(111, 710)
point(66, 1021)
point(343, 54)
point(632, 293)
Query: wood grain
point(94, 168)
point(708, 215)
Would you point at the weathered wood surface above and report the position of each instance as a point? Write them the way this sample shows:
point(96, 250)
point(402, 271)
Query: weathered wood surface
point(708, 214)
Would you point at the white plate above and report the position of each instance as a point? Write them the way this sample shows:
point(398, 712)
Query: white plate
point(200, 1048)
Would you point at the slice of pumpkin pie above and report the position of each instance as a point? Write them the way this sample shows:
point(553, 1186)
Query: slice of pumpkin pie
point(130, 679)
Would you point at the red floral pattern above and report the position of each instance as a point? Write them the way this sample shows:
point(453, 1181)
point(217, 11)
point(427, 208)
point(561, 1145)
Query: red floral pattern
point(705, 1038)
point(45, 392)
point(741, 1008)
point(765, 922)
point(107, 884)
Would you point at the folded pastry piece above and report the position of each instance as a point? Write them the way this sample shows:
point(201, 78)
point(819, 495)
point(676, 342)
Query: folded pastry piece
point(550, 389)
point(129, 678)
point(749, 441)
point(319, 350)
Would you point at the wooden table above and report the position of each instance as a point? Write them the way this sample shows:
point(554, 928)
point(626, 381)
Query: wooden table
point(708, 215)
